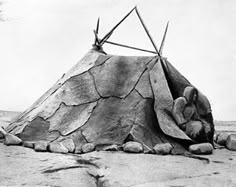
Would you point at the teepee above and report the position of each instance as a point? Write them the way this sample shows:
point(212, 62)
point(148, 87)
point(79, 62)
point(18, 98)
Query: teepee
point(106, 99)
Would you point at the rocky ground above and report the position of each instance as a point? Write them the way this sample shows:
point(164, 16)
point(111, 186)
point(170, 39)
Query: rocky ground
point(25, 167)
point(21, 166)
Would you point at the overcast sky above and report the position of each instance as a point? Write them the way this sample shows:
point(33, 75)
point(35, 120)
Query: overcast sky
point(42, 39)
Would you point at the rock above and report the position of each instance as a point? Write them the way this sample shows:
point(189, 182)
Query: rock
point(88, 147)
point(11, 139)
point(221, 138)
point(201, 149)
point(78, 150)
point(231, 142)
point(133, 147)
point(28, 144)
point(69, 144)
point(163, 149)
point(57, 147)
point(41, 146)
point(111, 148)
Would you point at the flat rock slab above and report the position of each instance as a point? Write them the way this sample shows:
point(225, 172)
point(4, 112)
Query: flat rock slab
point(201, 149)
point(25, 167)
point(117, 169)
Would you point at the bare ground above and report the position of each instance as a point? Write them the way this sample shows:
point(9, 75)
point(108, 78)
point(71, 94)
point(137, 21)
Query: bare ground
point(24, 167)
point(21, 166)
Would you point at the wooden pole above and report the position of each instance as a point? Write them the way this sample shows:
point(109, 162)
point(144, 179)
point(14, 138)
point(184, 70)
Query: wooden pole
point(97, 25)
point(107, 36)
point(96, 33)
point(145, 28)
point(96, 38)
point(135, 48)
point(163, 39)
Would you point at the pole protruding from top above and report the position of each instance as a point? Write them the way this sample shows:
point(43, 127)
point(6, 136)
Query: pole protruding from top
point(96, 41)
point(146, 30)
point(107, 36)
point(99, 42)
point(163, 39)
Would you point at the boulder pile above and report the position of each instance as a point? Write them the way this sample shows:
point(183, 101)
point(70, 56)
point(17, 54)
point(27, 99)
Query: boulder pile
point(226, 140)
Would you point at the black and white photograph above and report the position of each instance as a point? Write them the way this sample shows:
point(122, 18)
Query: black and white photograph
point(118, 93)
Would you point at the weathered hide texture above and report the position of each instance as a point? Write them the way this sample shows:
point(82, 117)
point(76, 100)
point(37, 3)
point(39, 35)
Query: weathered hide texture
point(107, 100)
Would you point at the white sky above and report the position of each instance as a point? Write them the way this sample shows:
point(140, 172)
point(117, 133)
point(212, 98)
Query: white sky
point(42, 39)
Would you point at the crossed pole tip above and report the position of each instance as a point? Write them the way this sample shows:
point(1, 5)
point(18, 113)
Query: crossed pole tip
point(99, 42)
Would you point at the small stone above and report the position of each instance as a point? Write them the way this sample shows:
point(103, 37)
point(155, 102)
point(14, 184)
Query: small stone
point(163, 149)
point(41, 146)
point(111, 148)
point(28, 144)
point(57, 147)
point(231, 142)
point(201, 149)
point(88, 147)
point(221, 138)
point(133, 147)
point(11, 139)
point(78, 150)
point(69, 144)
